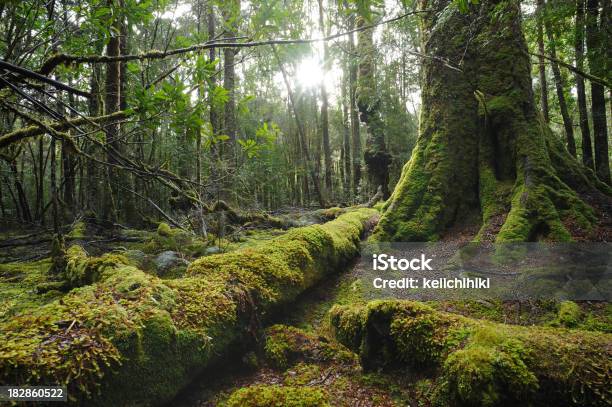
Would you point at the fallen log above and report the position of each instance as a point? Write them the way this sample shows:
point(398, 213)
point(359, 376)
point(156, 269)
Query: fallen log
point(480, 363)
point(124, 337)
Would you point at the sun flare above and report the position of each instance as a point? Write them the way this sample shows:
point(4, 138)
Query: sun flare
point(310, 73)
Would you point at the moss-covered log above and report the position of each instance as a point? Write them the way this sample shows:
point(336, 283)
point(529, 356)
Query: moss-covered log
point(482, 145)
point(480, 363)
point(131, 338)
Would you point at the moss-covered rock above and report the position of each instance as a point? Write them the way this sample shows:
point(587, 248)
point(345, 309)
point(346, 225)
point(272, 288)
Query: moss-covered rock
point(480, 363)
point(130, 338)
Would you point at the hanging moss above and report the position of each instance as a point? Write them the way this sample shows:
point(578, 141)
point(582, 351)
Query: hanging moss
point(480, 363)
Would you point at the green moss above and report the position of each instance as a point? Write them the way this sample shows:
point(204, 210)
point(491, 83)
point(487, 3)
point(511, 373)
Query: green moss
point(163, 229)
point(569, 314)
point(19, 286)
point(285, 345)
point(277, 396)
point(78, 230)
point(483, 376)
point(130, 338)
point(82, 270)
point(480, 363)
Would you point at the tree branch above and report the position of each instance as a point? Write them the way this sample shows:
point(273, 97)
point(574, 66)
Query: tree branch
point(42, 78)
point(58, 59)
point(42, 128)
point(577, 71)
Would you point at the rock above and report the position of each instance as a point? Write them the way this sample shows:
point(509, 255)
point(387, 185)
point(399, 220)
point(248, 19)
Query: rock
point(212, 250)
point(168, 260)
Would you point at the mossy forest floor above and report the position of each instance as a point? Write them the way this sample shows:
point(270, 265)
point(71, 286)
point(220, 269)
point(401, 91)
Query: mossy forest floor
point(300, 357)
point(293, 359)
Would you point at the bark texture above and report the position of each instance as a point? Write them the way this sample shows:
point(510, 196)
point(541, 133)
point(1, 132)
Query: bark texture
point(483, 149)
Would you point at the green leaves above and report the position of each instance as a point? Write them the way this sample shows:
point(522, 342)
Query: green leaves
point(464, 5)
point(265, 137)
point(219, 96)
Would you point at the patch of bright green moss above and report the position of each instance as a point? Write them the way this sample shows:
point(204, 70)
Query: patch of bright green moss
point(277, 396)
point(569, 314)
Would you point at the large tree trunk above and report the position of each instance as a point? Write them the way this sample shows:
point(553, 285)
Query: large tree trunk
point(596, 53)
point(587, 149)
point(482, 144)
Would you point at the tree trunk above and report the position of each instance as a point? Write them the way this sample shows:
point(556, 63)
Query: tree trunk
point(69, 169)
point(355, 136)
point(128, 205)
point(587, 149)
point(481, 143)
point(231, 15)
point(346, 142)
point(94, 111)
point(325, 106)
point(210, 17)
point(21, 194)
point(40, 187)
point(541, 61)
point(567, 120)
point(111, 105)
point(376, 157)
point(596, 54)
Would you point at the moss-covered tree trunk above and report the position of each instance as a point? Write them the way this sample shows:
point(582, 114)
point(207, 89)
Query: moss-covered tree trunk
point(483, 149)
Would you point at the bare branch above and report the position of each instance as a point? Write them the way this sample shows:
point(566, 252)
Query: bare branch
point(42, 78)
point(577, 71)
